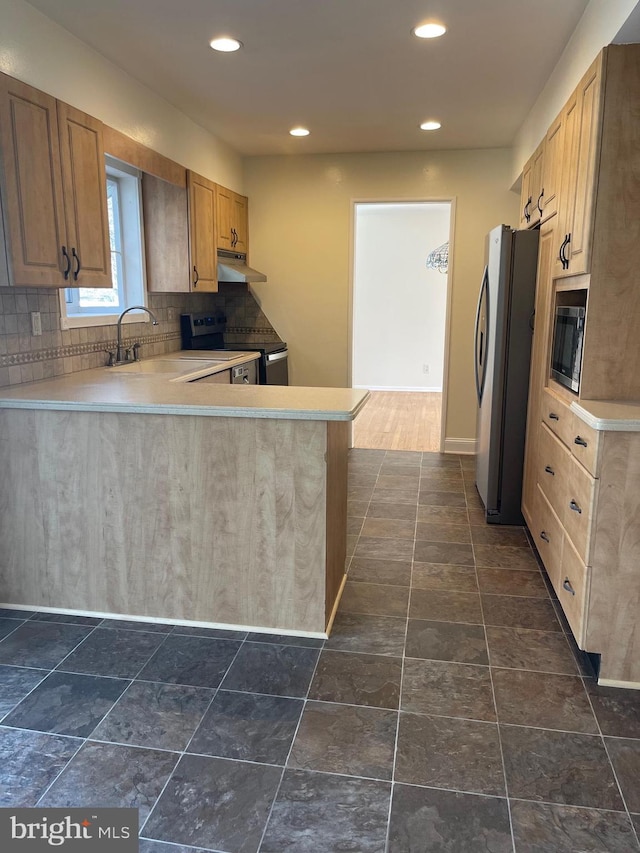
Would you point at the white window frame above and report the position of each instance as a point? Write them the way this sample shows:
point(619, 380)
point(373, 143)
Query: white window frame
point(129, 246)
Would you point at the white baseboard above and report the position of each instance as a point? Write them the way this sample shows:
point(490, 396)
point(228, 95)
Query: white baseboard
point(395, 388)
point(460, 445)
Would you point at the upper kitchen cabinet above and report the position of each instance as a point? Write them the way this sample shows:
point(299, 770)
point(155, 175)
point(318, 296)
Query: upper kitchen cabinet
point(532, 192)
point(233, 220)
point(583, 127)
point(552, 169)
point(203, 255)
point(166, 235)
point(53, 191)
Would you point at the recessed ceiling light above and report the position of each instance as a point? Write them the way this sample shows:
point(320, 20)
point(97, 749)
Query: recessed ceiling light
point(429, 31)
point(299, 131)
point(430, 125)
point(225, 44)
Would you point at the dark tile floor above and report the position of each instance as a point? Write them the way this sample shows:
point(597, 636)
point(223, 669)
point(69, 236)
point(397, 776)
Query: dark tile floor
point(448, 711)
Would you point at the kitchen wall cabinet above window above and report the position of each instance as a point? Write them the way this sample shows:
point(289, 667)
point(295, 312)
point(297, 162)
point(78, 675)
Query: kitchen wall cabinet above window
point(53, 192)
point(233, 220)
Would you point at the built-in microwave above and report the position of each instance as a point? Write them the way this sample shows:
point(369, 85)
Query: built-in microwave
point(566, 355)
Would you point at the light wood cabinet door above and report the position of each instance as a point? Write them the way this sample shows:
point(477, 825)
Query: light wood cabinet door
point(240, 223)
point(525, 194)
point(203, 257)
point(224, 210)
point(552, 169)
point(32, 198)
point(537, 188)
point(571, 125)
point(578, 249)
point(233, 220)
point(579, 167)
point(85, 197)
point(166, 236)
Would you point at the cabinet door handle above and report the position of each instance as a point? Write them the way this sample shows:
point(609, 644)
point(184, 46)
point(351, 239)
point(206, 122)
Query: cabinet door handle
point(550, 470)
point(67, 269)
point(566, 584)
point(553, 416)
point(540, 197)
point(544, 535)
point(562, 257)
point(574, 506)
point(579, 440)
point(197, 277)
point(527, 215)
point(76, 258)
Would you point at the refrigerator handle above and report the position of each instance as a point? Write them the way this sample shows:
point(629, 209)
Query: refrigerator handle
point(479, 351)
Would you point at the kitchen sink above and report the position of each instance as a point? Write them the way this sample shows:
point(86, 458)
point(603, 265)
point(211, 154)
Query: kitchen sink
point(166, 365)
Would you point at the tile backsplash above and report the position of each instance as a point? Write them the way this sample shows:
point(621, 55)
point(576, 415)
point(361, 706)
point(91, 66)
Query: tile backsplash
point(25, 357)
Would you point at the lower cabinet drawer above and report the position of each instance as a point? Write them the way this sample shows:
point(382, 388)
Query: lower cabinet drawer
point(548, 536)
point(579, 506)
point(557, 415)
point(553, 461)
point(584, 445)
point(572, 590)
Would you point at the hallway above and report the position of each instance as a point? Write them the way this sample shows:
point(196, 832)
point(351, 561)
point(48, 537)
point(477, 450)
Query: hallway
point(400, 420)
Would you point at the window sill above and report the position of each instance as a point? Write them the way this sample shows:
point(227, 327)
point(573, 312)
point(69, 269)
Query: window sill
point(91, 320)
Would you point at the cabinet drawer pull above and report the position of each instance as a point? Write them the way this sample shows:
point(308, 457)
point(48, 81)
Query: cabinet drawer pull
point(566, 584)
point(196, 277)
point(553, 416)
point(574, 506)
point(545, 536)
point(580, 440)
point(540, 197)
point(527, 215)
point(549, 470)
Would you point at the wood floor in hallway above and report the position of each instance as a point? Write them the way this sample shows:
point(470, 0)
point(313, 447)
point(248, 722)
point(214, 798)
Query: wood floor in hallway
point(400, 420)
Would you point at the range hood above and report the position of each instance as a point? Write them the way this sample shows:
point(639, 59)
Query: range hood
point(232, 266)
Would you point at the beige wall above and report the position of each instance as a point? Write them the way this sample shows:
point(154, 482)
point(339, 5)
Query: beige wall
point(301, 210)
point(36, 50)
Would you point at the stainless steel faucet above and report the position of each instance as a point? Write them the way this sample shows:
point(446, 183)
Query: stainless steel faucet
point(120, 351)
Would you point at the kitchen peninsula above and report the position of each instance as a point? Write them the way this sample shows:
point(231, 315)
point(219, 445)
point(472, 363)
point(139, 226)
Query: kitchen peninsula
point(151, 497)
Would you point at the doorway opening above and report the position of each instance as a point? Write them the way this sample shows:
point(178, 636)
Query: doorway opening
point(399, 319)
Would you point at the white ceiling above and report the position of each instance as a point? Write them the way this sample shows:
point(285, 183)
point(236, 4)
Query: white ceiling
point(350, 70)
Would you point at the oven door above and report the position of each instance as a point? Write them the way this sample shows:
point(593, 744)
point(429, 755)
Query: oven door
point(277, 370)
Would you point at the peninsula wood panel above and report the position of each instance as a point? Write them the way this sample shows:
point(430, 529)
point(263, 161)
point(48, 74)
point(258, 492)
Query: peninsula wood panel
point(178, 517)
point(613, 626)
point(337, 450)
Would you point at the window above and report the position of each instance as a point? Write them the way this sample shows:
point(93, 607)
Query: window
point(92, 306)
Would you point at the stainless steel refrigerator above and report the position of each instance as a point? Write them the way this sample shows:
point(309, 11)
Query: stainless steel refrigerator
point(503, 337)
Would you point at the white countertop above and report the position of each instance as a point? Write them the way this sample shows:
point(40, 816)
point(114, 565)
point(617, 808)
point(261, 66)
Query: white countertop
point(608, 415)
point(167, 389)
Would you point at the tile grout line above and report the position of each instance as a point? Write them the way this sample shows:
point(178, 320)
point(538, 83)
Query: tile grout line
point(404, 650)
point(290, 750)
point(183, 752)
point(611, 764)
point(495, 705)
